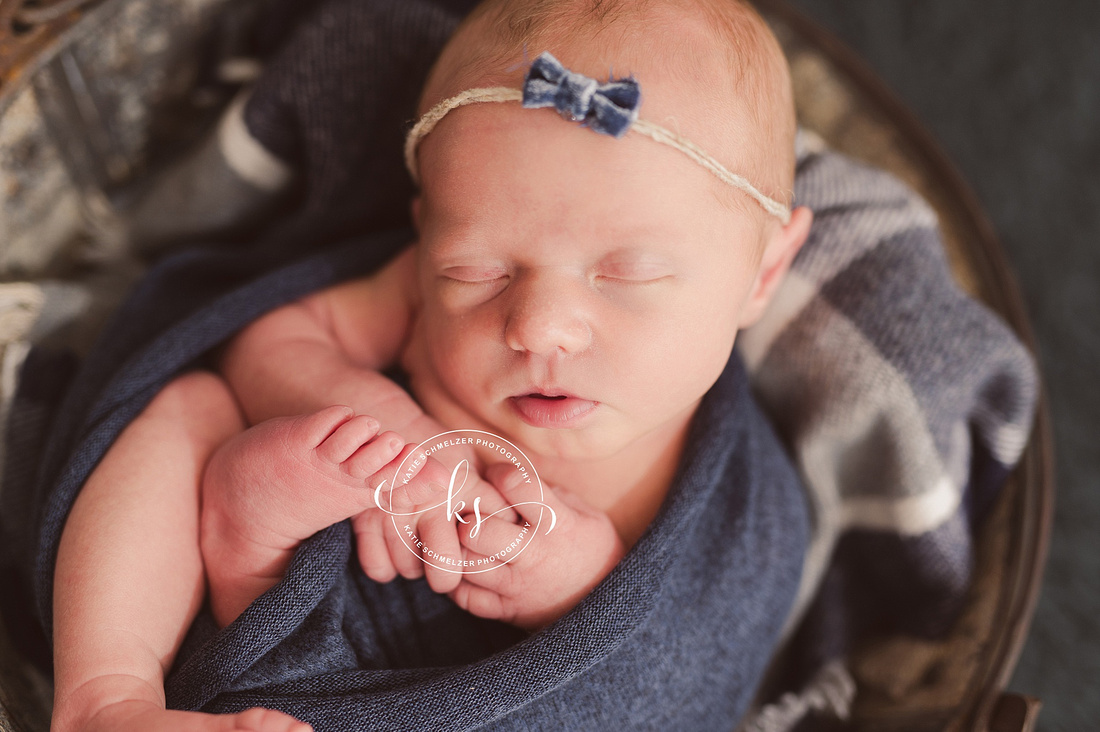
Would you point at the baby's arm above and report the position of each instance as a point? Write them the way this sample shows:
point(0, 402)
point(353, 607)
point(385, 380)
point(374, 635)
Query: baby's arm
point(129, 575)
point(327, 350)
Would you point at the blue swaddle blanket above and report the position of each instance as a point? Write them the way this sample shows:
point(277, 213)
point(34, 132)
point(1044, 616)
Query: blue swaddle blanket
point(676, 636)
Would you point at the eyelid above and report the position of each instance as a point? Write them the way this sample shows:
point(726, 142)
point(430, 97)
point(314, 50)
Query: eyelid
point(635, 281)
point(470, 273)
point(634, 273)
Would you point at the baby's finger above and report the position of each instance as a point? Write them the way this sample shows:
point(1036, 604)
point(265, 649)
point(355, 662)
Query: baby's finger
point(344, 437)
point(421, 486)
point(503, 476)
point(492, 503)
point(403, 549)
point(392, 489)
point(426, 527)
point(441, 542)
point(495, 535)
point(498, 575)
point(530, 506)
point(374, 555)
point(479, 601)
point(374, 455)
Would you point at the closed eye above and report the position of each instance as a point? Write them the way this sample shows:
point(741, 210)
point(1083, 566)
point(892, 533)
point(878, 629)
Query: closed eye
point(631, 271)
point(633, 280)
point(473, 275)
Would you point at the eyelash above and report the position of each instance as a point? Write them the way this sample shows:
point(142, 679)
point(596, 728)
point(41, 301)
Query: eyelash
point(602, 277)
point(634, 282)
point(470, 283)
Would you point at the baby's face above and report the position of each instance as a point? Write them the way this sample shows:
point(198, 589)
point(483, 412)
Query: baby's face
point(557, 261)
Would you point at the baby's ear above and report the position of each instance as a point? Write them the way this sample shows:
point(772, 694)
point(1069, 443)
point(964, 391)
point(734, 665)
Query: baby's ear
point(778, 255)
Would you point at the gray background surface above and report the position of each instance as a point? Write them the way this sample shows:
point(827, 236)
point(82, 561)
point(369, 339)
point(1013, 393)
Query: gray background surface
point(1011, 90)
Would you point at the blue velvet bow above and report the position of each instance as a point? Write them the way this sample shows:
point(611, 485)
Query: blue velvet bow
point(606, 108)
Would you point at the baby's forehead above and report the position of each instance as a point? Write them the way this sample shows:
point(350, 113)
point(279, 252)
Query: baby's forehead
point(518, 187)
point(709, 71)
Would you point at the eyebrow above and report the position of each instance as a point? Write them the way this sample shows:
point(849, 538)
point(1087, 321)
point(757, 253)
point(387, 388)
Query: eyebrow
point(463, 233)
point(640, 251)
point(458, 247)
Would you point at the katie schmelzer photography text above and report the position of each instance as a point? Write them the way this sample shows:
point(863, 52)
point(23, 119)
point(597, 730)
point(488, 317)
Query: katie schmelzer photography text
point(466, 509)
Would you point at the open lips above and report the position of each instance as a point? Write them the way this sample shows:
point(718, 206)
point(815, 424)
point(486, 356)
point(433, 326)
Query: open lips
point(552, 410)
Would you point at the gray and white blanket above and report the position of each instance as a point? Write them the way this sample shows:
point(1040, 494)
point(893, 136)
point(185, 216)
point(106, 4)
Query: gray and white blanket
point(904, 402)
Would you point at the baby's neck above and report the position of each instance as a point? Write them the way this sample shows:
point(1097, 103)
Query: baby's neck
point(629, 486)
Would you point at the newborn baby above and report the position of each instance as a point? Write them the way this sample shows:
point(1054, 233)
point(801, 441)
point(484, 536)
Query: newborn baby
point(574, 291)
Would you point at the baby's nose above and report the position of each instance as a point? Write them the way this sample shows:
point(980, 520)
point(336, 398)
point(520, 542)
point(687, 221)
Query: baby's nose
point(547, 316)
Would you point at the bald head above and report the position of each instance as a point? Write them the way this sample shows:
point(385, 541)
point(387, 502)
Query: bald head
point(709, 69)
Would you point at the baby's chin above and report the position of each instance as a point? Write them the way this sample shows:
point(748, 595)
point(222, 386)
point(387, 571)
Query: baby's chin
point(567, 445)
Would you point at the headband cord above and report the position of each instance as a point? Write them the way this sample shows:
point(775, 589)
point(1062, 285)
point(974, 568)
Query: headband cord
point(610, 109)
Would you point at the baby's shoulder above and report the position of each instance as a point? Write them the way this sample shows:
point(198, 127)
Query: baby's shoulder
point(394, 284)
point(370, 315)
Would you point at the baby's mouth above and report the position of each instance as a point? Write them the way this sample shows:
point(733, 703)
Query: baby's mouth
point(551, 411)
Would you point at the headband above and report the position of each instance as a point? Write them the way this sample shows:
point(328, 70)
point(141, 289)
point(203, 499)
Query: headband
point(610, 109)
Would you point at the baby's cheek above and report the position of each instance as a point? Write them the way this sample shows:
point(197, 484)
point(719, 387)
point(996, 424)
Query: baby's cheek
point(676, 387)
point(412, 356)
point(703, 352)
point(458, 355)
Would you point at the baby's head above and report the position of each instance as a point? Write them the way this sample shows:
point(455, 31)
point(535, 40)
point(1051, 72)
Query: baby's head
point(556, 260)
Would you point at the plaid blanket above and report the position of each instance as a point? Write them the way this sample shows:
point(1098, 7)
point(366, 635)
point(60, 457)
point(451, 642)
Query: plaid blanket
point(904, 402)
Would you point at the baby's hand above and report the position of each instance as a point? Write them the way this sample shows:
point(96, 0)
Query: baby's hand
point(553, 573)
point(416, 501)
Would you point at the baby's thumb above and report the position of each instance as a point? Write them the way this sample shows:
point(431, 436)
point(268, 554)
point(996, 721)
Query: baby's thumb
point(520, 495)
point(504, 476)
